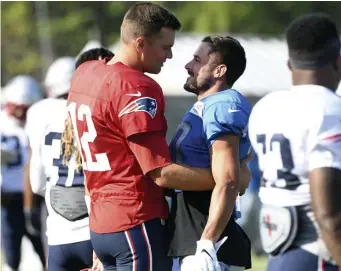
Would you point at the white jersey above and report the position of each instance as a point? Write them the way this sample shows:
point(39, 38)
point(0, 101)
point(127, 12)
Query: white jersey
point(14, 146)
point(45, 125)
point(294, 132)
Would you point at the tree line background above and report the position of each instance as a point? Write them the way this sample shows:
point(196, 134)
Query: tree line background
point(28, 28)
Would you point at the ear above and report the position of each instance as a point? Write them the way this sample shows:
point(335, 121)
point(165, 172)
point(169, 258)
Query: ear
point(289, 65)
point(139, 44)
point(220, 71)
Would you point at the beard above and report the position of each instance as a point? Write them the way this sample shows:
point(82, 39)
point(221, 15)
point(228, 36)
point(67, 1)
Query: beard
point(193, 86)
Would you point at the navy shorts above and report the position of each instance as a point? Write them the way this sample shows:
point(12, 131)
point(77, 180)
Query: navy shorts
point(141, 248)
point(297, 259)
point(70, 257)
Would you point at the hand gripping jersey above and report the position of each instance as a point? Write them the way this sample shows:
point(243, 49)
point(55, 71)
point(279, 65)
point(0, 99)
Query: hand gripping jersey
point(14, 153)
point(294, 132)
point(110, 105)
point(63, 186)
point(218, 114)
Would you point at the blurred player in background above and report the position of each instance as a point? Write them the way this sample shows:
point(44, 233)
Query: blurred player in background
point(56, 84)
point(297, 137)
point(20, 93)
point(213, 135)
point(61, 182)
point(250, 207)
point(118, 115)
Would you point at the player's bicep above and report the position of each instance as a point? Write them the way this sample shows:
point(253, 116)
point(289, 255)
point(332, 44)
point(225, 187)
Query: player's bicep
point(141, 110)
point(225, 159)
point(223, 118)
point(325, 187)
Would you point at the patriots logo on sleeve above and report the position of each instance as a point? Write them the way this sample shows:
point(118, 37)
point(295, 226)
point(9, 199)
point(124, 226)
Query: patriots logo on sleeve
point(144, 104)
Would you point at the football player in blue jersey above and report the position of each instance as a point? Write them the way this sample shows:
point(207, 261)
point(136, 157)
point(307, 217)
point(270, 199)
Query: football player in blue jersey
point(212, 134)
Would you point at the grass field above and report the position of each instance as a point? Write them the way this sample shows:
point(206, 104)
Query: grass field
point(258, 263)
point(30, 261)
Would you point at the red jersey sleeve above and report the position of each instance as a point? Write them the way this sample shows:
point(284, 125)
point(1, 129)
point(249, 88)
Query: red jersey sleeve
point(141, 110)
point(151, 150)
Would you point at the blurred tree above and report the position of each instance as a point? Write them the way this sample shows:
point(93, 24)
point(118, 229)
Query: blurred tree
point(72, 24)
point(19, 44)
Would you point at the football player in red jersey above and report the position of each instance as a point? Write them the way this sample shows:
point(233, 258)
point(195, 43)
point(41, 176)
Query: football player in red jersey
point(118, 115)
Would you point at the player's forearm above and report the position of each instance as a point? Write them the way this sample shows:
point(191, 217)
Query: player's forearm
point(221, 208)
point(225, 169)
point(28, 193)
point(185, 178)
point(326, 203)
point(332, 239)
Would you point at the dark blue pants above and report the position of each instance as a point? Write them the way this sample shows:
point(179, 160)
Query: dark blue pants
point(141, 248)
point(70, 257)
point(298, 259)
point(13, 229)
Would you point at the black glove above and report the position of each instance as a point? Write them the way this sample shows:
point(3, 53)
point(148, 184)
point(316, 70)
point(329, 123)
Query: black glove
point(32, 222)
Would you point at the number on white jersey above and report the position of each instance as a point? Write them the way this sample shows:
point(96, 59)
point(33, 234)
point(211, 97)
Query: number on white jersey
point(12, 144)
point(102, 161)
point(291, 181)
point(67, 175)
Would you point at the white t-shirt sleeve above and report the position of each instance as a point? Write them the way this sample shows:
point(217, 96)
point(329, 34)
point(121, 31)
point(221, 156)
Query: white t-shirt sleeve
point(37, 174)
point(325, 150)
point(34, 130)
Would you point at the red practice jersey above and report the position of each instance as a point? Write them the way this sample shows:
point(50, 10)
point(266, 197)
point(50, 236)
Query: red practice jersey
point(112, 105)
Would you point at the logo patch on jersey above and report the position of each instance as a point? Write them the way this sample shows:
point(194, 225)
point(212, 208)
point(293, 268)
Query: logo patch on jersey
point(197, 108)
point(230, 110)
point(144, 104)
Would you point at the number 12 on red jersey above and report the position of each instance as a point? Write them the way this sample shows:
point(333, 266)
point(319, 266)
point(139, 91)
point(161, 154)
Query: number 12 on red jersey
point(84, 114)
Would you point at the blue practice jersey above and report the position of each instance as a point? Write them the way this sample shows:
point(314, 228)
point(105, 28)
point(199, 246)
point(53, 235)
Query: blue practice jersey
point(218, 114)
point(226, 112)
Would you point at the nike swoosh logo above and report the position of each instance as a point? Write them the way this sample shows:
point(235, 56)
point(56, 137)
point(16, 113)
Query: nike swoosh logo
point(233, 110)
point(138, 94)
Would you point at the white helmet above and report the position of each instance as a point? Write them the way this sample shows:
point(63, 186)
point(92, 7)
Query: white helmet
point(59, 75)
point(22, 90)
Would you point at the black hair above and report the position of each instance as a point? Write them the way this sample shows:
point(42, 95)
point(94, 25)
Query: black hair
point(313, 41)
point(93, 54)
point(231, 53)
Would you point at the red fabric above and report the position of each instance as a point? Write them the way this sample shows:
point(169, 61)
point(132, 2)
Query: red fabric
point(150, 150)
point(121, 197)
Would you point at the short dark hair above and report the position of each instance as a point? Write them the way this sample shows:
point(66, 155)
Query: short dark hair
point(93, 54)
point(231, 53)
point(313, 37)
point(146, 19)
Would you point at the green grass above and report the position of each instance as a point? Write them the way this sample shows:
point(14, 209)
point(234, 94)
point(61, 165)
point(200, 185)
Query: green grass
point(258, 263)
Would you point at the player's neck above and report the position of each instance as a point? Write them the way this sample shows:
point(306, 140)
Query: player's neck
point(312, 78)
point(214, 89)
point(126, 58)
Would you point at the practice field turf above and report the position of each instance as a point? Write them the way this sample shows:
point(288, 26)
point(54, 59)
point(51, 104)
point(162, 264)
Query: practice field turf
point(258, 263)
point(30, 259)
